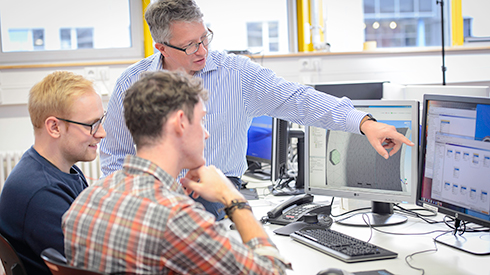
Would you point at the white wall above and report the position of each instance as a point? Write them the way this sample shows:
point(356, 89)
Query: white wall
point(470, 67)
point(15, 125)
point(344, 25)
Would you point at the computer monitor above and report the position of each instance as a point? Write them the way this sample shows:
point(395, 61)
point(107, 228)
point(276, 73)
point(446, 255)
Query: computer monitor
point(455, 165)
point(259, 150)
point(280, 149)
point(352, 90)
point(341, 164)
point(268, 144)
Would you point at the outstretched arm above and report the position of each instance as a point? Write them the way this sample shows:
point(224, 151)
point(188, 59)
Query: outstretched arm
point(383, 136)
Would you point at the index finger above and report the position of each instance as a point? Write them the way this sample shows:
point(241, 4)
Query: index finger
point(403, 139)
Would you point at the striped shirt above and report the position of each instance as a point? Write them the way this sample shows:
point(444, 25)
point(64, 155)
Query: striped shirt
point(138, 220)
point(239, 90)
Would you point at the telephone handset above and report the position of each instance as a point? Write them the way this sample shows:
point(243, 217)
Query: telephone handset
point(293, 209)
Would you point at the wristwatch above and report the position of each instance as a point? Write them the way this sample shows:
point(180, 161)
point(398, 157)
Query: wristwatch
point(369, 117)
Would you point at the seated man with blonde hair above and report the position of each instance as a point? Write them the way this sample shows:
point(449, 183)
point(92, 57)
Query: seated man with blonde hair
point(67, 114)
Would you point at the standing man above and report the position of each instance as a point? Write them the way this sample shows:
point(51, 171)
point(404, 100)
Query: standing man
point(67, 114)
point(239, 91)
point(139, 220)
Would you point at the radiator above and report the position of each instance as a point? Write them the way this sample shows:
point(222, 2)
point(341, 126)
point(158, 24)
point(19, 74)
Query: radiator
point(91, 169)
point(9, 159)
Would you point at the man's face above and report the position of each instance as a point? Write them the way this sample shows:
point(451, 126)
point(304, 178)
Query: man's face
point(77, 144)
point(183, 35)
point(195, 137)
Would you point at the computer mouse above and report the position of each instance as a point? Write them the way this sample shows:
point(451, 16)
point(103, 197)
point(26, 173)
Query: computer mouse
point(334, 271)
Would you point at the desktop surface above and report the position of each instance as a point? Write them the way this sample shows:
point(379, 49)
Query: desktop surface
point(306, 260)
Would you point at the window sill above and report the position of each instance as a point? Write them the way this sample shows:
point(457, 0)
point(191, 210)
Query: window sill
point(379, 51)
point(383, 51)
point(70, 64)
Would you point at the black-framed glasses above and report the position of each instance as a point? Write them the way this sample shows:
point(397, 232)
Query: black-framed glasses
point(94, 127)
point(194, 47)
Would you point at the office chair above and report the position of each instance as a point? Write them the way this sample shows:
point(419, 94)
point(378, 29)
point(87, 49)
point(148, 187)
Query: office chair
point(58, 266)
point(10, 260)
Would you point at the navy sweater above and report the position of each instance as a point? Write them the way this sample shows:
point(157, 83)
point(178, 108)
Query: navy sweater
point(34, 198)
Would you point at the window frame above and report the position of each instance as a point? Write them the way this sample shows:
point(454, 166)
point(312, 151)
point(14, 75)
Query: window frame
point(136, 51)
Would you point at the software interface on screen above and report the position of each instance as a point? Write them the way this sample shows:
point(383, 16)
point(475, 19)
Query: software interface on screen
point(347, 162)
point(457, 160)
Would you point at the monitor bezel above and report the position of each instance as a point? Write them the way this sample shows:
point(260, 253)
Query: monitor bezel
point(280, 146)
point(374, 194)
point(423, 146)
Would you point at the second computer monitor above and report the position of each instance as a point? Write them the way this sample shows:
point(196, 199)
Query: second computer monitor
point(345, 165)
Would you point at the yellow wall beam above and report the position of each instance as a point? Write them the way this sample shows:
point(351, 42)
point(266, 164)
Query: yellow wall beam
point(148, 40)
point(304, 34)
point(321, 22)
point(304, 19)
point(457, 32)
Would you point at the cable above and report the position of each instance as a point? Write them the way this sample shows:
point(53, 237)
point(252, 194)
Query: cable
point(423, 251)
point(412, 212)
point(464, 226)
point(368, 223)
point(351, 211)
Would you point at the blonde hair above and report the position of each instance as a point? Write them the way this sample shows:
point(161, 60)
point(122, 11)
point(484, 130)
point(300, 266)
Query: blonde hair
point(54, 96)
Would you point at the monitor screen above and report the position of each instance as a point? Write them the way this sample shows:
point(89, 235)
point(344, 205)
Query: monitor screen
point(260, 140)
point(341, 164)
point(455, 164)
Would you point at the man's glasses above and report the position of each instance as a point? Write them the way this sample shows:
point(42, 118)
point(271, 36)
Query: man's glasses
point(193, 48)
point(94, 127)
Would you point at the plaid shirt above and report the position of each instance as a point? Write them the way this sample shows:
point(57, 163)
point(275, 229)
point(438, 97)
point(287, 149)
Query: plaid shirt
point(139, 220)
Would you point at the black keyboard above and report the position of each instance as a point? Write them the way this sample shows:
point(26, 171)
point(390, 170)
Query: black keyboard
point(341, 246)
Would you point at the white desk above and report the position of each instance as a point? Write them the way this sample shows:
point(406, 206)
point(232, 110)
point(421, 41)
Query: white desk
point(306, 260)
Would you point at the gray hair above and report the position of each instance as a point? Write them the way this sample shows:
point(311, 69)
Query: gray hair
point(163, 13)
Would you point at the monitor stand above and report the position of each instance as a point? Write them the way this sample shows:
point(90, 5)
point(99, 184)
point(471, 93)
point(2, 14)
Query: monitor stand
point(381, 215)
point(294, 185)
point(259, 174)
point(255, 170)
point(477, 243)
point(286, 190)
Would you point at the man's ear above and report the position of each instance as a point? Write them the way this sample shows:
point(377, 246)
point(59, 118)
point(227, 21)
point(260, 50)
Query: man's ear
point(52, 126)
point(179, 122)
point(161, 48)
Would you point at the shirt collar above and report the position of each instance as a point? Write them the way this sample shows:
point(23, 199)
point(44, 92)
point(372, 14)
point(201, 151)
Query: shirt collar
point(157, 63)
point(137, 165)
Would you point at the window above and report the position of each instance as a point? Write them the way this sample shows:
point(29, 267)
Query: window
point(259, 26)
point(254, 34)
point(70, 30)
point(263, 36)
point(348, 24)
point(403, 23)
point(85, 38)
point(476, 20)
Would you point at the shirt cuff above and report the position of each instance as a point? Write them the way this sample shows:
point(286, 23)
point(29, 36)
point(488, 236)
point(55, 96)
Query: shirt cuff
point(354, 119)
point(265, 247)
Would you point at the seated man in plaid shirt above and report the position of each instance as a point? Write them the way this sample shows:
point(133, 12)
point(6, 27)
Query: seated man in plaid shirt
point(141, 220)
